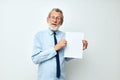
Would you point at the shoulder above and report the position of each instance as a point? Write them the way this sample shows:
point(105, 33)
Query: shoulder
point(61, 32)
point(40, 33)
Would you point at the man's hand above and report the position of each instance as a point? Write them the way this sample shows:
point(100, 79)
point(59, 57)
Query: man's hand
point(85, 44)
point(60, 44)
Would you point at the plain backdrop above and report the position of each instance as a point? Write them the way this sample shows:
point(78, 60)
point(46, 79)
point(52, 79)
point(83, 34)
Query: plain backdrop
point(98, 19)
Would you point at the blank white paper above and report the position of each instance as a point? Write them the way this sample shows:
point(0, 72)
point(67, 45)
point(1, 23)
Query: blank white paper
point(74, 48)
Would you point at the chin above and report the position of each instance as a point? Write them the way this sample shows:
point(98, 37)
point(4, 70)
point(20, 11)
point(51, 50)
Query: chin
point(54, 28)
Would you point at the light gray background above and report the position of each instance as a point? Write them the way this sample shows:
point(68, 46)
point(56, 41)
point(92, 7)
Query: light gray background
point(98, 19)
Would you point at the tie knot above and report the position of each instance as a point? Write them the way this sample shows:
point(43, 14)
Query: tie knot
point(54, 33)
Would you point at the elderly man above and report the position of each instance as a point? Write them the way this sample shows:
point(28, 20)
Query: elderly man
point(48, 50)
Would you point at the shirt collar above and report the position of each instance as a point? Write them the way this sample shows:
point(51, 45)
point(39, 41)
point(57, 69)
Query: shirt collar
point(51, 32)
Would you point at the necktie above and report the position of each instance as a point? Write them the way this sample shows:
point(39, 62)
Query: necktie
point(57, 58)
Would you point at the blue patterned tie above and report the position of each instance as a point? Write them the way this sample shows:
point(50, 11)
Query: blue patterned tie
point(57, 58)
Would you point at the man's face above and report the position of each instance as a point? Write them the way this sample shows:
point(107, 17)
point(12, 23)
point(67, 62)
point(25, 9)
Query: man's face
point(55, 20)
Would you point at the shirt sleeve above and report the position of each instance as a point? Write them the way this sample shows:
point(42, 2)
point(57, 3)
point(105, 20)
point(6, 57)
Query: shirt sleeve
point(68, 59)
point(40, 56)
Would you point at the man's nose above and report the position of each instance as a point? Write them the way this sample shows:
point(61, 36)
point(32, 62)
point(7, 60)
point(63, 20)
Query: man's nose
point(55, 19)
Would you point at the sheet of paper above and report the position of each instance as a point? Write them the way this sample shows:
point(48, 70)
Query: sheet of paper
point(74, 48)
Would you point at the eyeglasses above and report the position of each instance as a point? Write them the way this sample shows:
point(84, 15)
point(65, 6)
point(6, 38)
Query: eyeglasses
point(56, 18)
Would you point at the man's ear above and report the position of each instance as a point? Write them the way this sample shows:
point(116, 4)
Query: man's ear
point(61, 22)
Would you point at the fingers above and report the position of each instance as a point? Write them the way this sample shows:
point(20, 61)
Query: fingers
point(63, 41)
point(60, 44)
point(85, 44)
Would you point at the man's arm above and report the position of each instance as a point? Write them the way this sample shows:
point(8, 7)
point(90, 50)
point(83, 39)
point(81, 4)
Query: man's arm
point(39, 55)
